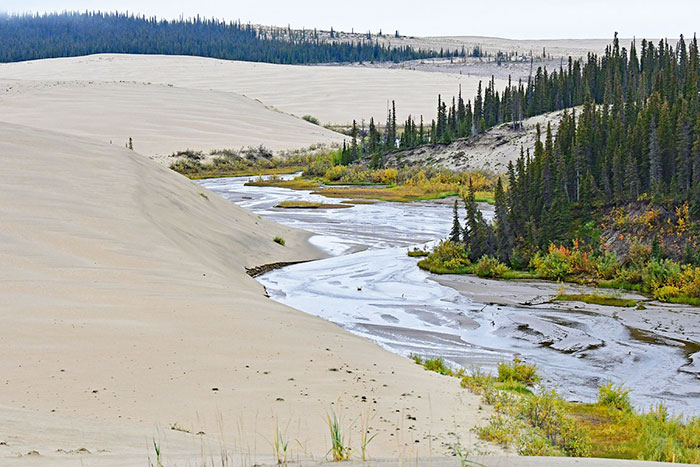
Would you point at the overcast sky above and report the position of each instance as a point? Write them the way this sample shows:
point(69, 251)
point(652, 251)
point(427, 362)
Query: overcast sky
point(521, 19)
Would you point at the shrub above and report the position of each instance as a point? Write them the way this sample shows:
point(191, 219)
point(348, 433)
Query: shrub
point(614, 396)
point(517, 371)
point(279, 240)
point(690, 278)
point(476, 380)
point(606, 266)
point(554, 265)
point(639, 253)
point(335, 173)
point(666, 293)
point(490, 267)
point(311, 119)
point(658, 273)
point(438, 366)
point(446, 257)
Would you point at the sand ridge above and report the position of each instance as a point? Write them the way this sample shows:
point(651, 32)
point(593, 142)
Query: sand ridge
point(333, 94)
point(125, 299)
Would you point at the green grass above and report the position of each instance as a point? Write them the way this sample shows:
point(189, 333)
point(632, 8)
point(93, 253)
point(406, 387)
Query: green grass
point(279, 240)
point(416, 253)
point(310, 205)
point(596, 299)
point(514, 275)
point(294, 184)
point(436, 269)
point(339, 451)
point(684, 300)
point(613, 284)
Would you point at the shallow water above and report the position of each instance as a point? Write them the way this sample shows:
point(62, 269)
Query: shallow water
point(380, 294)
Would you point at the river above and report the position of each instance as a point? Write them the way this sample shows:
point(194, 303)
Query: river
point(370, 287)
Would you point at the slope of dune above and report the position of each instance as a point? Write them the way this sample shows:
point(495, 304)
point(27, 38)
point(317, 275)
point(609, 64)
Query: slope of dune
point(332, 94)
point(160, 119)
point(126, 310)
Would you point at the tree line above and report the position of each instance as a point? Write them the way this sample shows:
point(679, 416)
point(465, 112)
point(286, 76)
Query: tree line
point(68, 34)
point(637, 138)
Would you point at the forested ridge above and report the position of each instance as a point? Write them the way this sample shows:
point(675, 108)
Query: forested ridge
point(68, 34)
point(613, 196)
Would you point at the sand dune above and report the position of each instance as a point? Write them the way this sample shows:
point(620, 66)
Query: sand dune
point(160, 119)
point(332, 94)
point(125, 301)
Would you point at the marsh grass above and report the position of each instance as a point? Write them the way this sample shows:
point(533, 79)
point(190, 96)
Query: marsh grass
point(416, 253)
point(359, 201)
point(597, 299)
point(310, 205)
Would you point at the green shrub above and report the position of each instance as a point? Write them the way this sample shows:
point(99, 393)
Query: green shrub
point(490, 267)
point(438, 366)
point(279, 240)
point(517, 371)
point(614, 396)
point(311, 119)
point(606, 266)
point(447, 257)
point(553, 266)
point(658, 273)
point(666, 293)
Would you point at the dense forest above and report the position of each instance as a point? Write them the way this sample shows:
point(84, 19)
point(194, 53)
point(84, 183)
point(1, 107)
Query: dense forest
point(31, 37)
point(637, 138)
point(615, 195)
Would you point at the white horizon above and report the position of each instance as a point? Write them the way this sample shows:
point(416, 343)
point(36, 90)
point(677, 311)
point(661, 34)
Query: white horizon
point(537, 20)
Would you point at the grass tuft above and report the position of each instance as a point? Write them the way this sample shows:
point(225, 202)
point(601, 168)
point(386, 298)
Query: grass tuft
point(340, 450)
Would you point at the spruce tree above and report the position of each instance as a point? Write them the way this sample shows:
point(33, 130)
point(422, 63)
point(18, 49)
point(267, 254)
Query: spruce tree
point(456, 232)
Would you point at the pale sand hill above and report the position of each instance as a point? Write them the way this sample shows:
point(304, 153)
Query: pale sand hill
point(125, 301)
point(160, 119)
point(332, 94)
point(490, 151)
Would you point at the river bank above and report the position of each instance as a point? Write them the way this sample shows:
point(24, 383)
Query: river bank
point(381, 295)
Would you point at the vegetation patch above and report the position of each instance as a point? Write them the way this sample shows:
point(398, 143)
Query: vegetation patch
point(294, 184)
point(541, 423)
point(596, 299)
point(310, 205)
point(359, 201)
point(279, 240)
point(417, 253)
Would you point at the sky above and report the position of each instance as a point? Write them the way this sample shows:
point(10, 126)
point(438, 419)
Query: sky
point(521, 19)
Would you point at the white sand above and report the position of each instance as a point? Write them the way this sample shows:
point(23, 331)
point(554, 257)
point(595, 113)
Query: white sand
point(124, 300)
point(330, 93)
point(160, 119)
